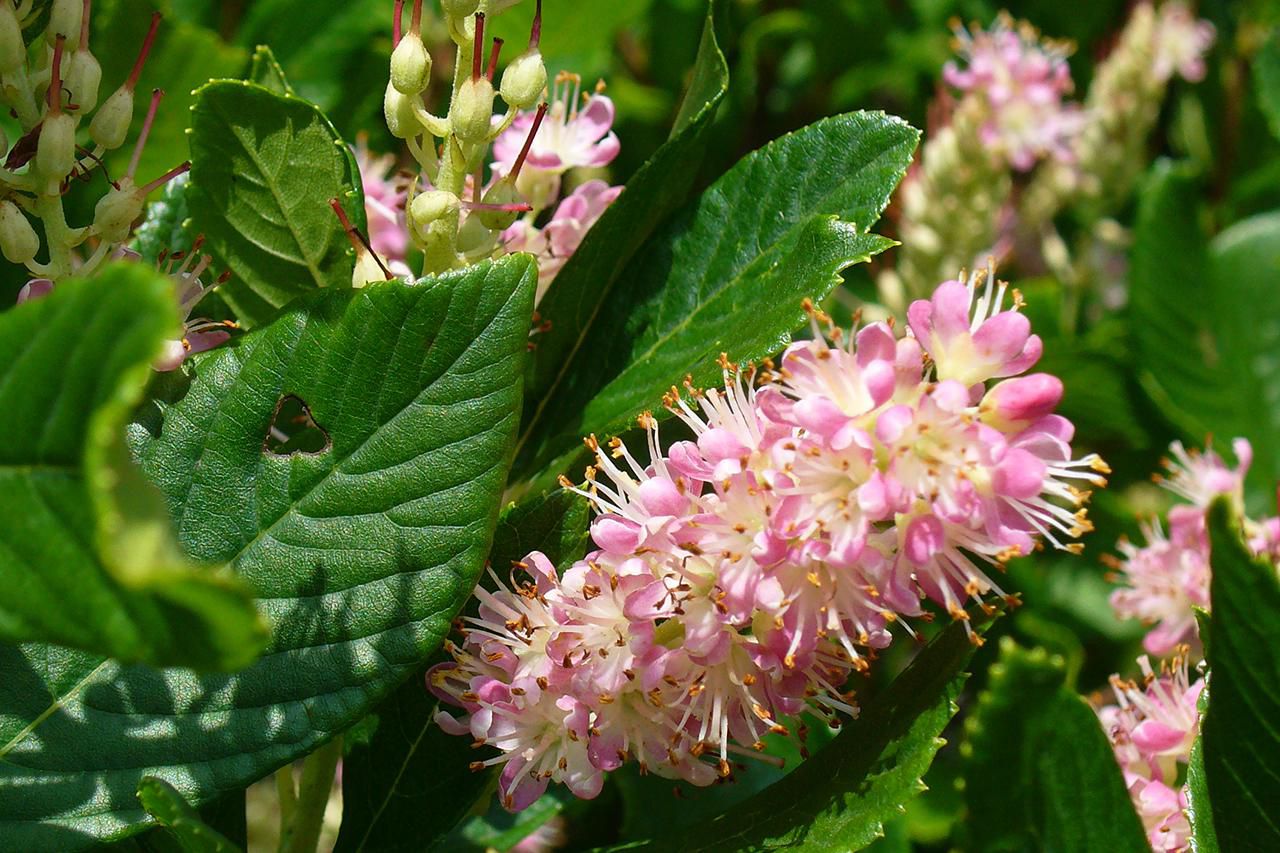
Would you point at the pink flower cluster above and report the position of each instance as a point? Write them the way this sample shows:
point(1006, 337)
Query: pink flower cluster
point(1168, 576)
point(1152, 727)
point(741, 577)
point(1181, 41)
point(1023, 80)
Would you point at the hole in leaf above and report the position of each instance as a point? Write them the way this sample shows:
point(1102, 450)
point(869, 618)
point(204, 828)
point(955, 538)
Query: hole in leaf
point(293, 430)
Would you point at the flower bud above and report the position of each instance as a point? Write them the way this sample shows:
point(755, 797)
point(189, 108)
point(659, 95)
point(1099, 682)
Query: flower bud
point(56, 150)
point(397, 109)
point(367, 270)
point(430, 207)
point(64, 19)
point(35, 288)
point(472, 110)
point(410, 65)
point(18, 240)
point(501, 193)
point(117, 211)
point(459, 8)
point(111, 122)
point(83, 79)
point(13, 50)
point(1021, 400)
point(524, 80)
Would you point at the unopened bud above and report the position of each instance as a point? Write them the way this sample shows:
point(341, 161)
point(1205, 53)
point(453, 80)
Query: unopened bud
point(111, 122)
point(117, 211)
point(397, 109)
point(83, 78)
point(56, 150)
point(13, 50)
point(459, 8)
point(472, 110)
point(524, 80)
point(501, 194)
point(410, 65)
point(18, 240)
point(64, 19)
point(430, 207)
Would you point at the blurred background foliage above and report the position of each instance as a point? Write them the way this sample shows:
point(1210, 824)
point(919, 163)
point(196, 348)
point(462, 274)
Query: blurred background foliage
point(793, 62)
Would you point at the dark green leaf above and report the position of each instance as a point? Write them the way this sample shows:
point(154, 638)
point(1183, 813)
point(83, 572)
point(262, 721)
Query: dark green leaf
point(183, 58)
point(163, 802)
point(1199, 810)
point(87, 552)
point(1266, 74)
point(582, 289)
point(267, 73)
point(167, 224)
point(1041, 774)
point(1240, 738)
point(263, 169)
point(840, 798)
point(729, 273)
point(411, 784)
point(1191, 301)
point(362, 553)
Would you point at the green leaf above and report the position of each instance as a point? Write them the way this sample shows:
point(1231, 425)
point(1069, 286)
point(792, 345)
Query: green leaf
point(267, 73)
point(1191, 299)
point(411, 784)
point(1239, 731)
point(729, 273)
point(166, 228)
point(362, 553)
point(87, 552)
point(1266, 75)
point(183, 58)
point(1041, 774)
point(263, 169)
point(840, 798)
point(582, 288)
point(1204, 839)
point(163, 802)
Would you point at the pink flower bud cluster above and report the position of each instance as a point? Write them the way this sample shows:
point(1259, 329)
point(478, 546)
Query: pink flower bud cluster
point(1168, 576)
point(1152, 727)
point(1024, 80)
point(741, 577)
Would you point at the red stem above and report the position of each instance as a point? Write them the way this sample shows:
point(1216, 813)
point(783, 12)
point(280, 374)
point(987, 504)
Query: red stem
point(416, 26)
point(84, 25)
point(166, 178)
point(54, 95)
point(528, 142)
point(535, 34)
point(493, 58)
point(477, 53)
point(395, 23)
point(142, 54)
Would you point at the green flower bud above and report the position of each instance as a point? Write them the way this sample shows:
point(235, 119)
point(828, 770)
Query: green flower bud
point(13, 51)
point(117, 211)
point(82, 79)
point(64, 19)
point(18, 240)
point(472, 110)
point(56, 150)
point(397, 109)
point(111, 122)
point(459, 8)
point(410, 65)
point(524, 80)
point(501, 193)
point(429, 208)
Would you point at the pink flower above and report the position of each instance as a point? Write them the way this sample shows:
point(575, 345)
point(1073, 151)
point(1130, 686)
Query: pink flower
point(555, 243)
point(1152, 727)
point(569, 137)
point(742, 576)
point(969, 337)
point(1181, 42)
point(384, 200)
point(1023, 80)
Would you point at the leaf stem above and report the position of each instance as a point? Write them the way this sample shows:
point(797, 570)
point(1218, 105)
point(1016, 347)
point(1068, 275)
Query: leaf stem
point(313, 795)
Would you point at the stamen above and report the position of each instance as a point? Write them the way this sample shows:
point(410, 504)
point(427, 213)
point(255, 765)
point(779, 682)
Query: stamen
point(84, 25)
point(54, 95)
point(535, 33)
point(398, 13)
point(415, 25)
point(165, 178)
point(142, 54)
